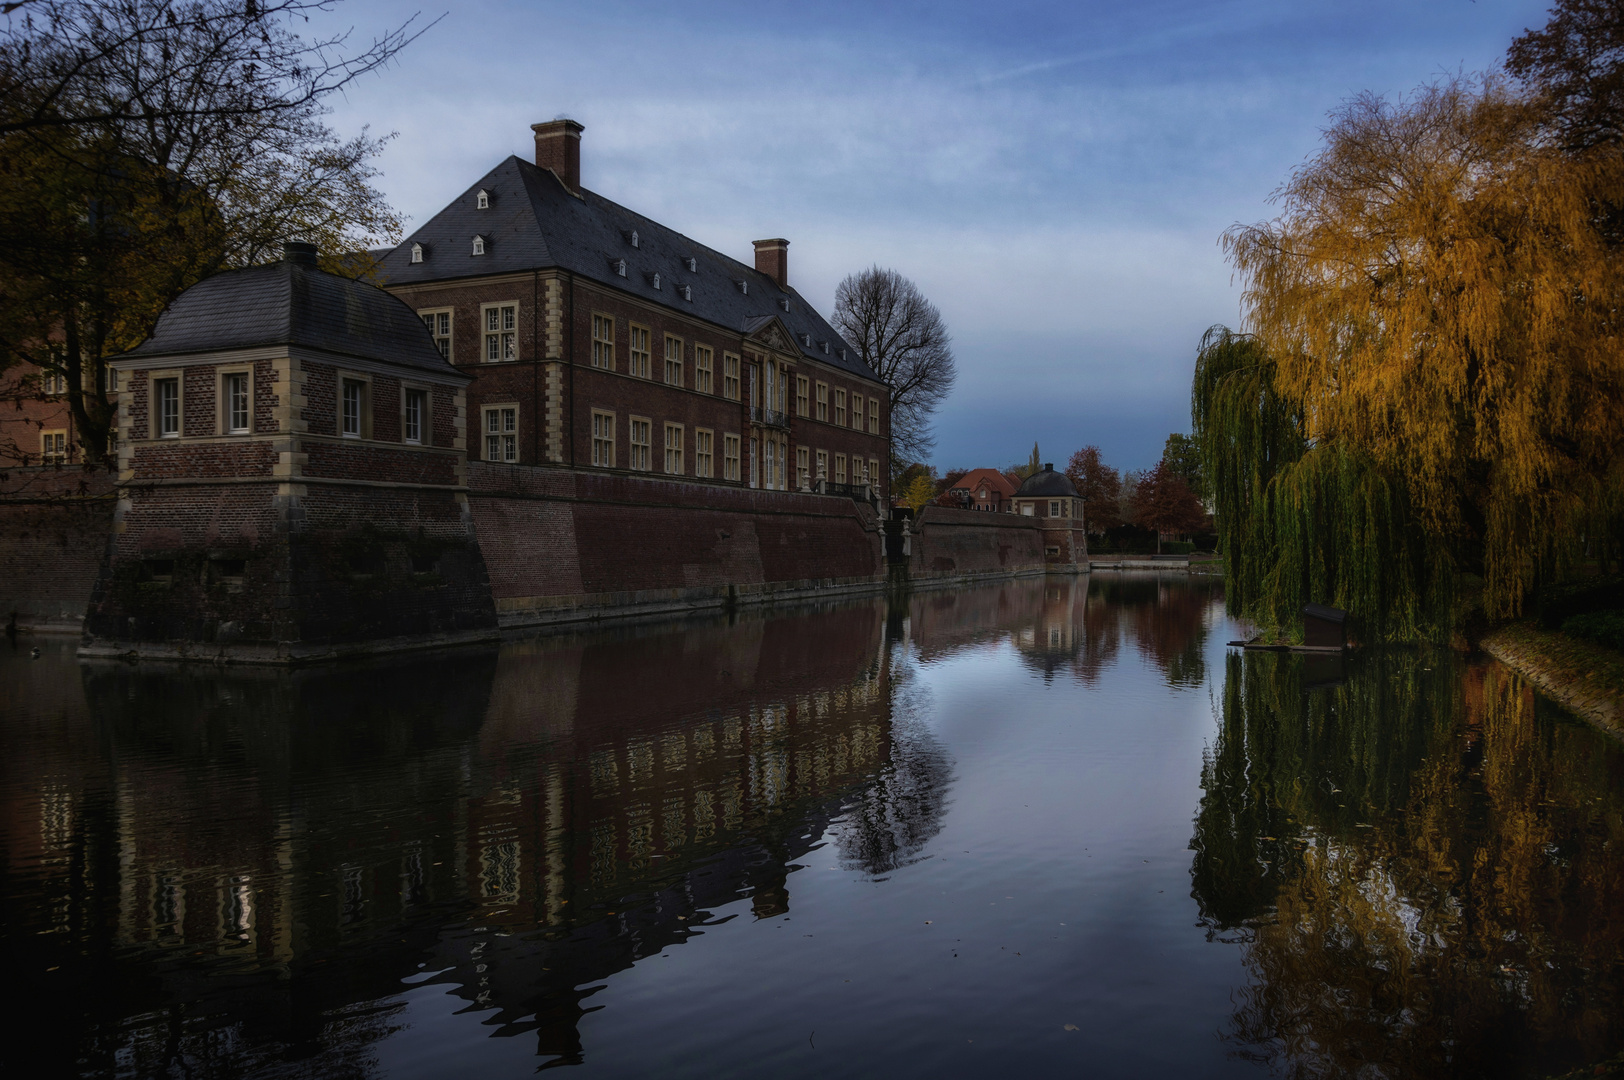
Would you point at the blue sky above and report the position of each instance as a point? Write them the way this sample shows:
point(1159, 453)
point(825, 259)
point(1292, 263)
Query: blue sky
point(1054, 176)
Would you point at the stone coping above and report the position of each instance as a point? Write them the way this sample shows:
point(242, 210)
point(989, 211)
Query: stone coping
point(1583, 678)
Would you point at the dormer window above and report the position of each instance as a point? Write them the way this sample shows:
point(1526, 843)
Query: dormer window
point(479, 245)
point(692, 264)
point(744, 287)
point(634, 240)
point(806, 340)
point(842, 353)
point(824, 345)
point(620, 266)
point(688, 292)
point(783, 302)
point(483, 199)
point(656, 280)
point(417, 253)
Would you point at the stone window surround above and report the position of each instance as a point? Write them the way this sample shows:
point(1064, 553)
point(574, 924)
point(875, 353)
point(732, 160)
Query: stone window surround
point(450, 335)
point(222, 418)
point(501, 332)
point(345, 375)
point(485, 410)
point(647, 447)
point(678, 447)
point(596, 415)
point(426, 421)
point(154, 416)
point(601, 319)
point(674, 361)
point(705, 453)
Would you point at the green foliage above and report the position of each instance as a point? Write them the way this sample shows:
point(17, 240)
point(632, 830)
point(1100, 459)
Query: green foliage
point(1301, 522)
point(1182, 455)
point(1602, 627)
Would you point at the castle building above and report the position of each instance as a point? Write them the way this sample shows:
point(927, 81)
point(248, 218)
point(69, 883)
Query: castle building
point(601, 340)
point(1052, 497)
point(292, 477)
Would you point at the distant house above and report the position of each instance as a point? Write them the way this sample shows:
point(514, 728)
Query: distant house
point(984, 489)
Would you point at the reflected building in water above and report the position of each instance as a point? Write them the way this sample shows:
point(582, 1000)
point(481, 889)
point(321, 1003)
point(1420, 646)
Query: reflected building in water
point(265, 856)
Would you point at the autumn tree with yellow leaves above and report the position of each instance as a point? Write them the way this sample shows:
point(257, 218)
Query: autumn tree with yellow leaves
point(1431, 392)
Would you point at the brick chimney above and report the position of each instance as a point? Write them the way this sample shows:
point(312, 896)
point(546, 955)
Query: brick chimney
point(558, 147)
point(772, 259)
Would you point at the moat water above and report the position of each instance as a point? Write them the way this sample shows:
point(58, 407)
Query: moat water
point(1039, 829)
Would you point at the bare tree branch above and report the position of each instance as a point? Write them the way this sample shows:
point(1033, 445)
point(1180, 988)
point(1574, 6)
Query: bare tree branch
point(902, 337)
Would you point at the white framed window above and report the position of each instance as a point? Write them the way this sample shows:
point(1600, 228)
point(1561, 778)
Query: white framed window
point(501, 433)
point(640, 439)
point(603, 341)
point(479, 245)
point(840, 468)
point(236, 402)
point(1054, 507)
point(769, 458)
point(501, 332)
point(704, 453)
point(857, 412)
point(704, 361)
point(417, 253)
point(840, 408)
point(482, 201)
point(873, 416)
point(874, 471)
point(353, 411)
point(730, 457)
point(603, 439)
point(639, 361)
point(823, 464)
point(803, 467)
point(673, 360)
point(730, 378)
point(110, 381)
point(755, 462)
point(166, 407)
point(53, 447)
point(803, 395)
point(52, 383)
point(673, 449)
point(439, 324)
point(823, 401)
point(414, 415)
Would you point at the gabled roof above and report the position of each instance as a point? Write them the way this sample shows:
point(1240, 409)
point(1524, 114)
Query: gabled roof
point(294, 303)
point(534, 222)
point(995, 481)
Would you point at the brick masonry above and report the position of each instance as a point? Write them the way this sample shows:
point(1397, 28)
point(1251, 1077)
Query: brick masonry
point(54, 528)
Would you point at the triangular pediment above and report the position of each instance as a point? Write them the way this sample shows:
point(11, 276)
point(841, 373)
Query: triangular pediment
point(770, 331)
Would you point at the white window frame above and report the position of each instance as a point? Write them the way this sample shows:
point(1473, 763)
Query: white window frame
point(732, 449)
point(224, 378)
point(638, 359)
point(704, 368)
point(874, 471)
point(803, 465)
point(603, 439)
point(347, 379)
point(673, 364)
point(823, 465)
point(440, 322)
point(53, 447)
point(840, 468)
point(857, 412)
point(425, 419)
point(803, 395)
point(873, 416)
point(157, 380)
point(500, 443)
point(730, 377)
point(639, 456)
point(504, 337)
point(705, 453)
point(840, 407)
point(603, 341)
point(674, 451)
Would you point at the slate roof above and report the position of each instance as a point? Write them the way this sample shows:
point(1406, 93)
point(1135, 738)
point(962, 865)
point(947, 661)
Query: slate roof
point(1047, 484)
point(294, 303)
point(533, 222)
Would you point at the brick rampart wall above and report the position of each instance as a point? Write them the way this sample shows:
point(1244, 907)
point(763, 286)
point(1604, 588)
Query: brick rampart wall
point(54, 525)
point(368, 461)
point(948, 543)
point(553, 538)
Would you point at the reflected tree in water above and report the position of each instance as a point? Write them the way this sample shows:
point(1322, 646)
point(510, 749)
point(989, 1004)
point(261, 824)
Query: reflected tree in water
point(1417, 868)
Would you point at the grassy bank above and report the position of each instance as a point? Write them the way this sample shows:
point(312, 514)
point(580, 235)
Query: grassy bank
point(1584, 678)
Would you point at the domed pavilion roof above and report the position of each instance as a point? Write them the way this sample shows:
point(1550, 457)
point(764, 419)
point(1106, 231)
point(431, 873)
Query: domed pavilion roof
point(293, 302)
point(1047, 484)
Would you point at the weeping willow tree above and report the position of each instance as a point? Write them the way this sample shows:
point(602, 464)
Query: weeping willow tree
point(1303, 520)
point(1434, 383)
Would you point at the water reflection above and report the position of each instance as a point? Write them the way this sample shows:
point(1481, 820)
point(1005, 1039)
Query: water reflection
point(1421, 862)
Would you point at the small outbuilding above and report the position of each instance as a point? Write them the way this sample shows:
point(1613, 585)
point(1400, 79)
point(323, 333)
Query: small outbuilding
point(1052, 496)
point(1324, 627)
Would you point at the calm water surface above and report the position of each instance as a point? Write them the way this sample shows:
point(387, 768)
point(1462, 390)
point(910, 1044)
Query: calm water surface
point(1043, 828)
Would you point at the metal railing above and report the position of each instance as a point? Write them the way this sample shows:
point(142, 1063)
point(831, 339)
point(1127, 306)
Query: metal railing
point(769, 417)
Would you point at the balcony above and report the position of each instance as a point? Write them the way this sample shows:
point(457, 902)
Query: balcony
point(769, 417)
